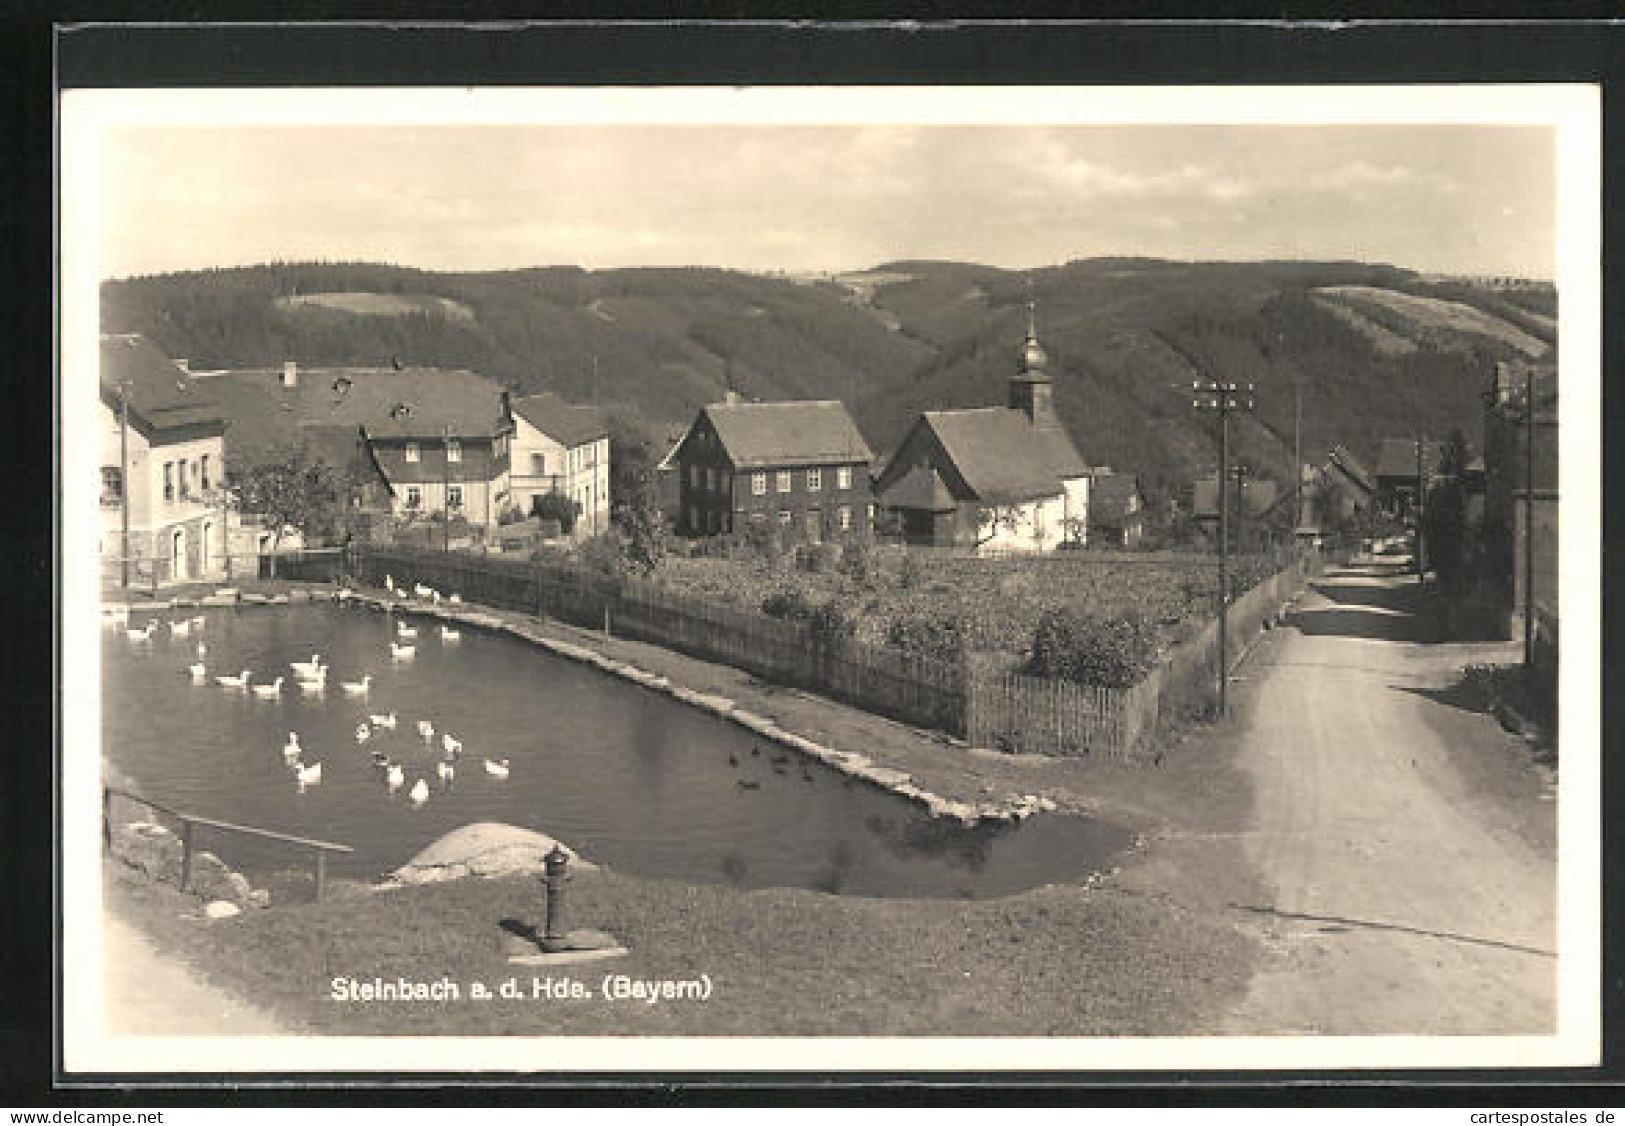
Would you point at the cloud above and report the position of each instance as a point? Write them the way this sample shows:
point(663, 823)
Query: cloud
point(1361, 177)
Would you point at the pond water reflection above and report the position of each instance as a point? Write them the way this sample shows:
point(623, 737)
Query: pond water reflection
point(628, 777)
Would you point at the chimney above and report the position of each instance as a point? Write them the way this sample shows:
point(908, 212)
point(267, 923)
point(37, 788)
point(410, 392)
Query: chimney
point(507, 403)
point(184, 365)
point(731, 397)
point(290, 374)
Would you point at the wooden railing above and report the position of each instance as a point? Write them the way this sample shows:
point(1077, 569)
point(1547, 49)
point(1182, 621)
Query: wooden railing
point(190, 820)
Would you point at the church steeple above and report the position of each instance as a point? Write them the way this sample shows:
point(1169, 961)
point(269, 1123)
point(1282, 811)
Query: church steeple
point(1030, 388)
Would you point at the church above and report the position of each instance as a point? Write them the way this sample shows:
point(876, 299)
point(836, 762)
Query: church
point(991, 478)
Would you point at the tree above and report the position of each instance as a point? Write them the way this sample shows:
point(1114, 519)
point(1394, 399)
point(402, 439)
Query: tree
point(555, 505)
point(634, 495)
point(292, 487)
point(991, 519)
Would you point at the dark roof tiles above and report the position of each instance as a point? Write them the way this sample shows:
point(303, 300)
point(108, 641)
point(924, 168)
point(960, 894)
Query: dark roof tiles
point(796, 432)
point(161, 394)
point(566, 423)
point(1002, 458)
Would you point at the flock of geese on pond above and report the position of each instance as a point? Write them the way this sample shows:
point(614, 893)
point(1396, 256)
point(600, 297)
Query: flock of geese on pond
point(311, 677)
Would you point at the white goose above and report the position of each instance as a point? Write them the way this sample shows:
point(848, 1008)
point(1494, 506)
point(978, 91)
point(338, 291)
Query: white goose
point(142, 634)
point(402, 652)
point(426, 729)
point(434, 596)
point(291, 750)
point(269, 691)
point(199, 621)
point(455, 600)
point(452, 747)
point(316, 687)
point(389, 583)
point(362, 733)
point(234, 681)
point(420, 590)
point(356, 687)
point(199, 673)
point(445, 770)
point(202, 650)
point(309, 775)
point(179, 629)
point(449, 634)
point(498, 769)
point(386, 722)
point(419, 792)
point(308, 668)
point(395, 777)
point(406, 632)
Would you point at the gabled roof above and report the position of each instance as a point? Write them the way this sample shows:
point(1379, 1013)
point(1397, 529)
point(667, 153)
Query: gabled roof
point(566, 423)
point(809, 432)
point(920, 488)
point(1397, 457)
point(1352, 467)
point(264, 413)
point(161, 395)
point(1001, 456)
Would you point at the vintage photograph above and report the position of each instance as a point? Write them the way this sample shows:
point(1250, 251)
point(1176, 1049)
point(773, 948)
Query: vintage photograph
point(913, 578)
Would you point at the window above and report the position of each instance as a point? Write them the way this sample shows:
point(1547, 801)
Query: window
point(815, 523)
point(711, 480)
point(725, 480)
point(694, 476)
point(203, 472)
point(538, 464)
point(784, 480)
point(112, 486)
point(758, 517)
point(758, 483)
point(693, 518)
point(843, 477)
point(454, 496)
point(454, 450)
point(784, 516)
point(184, 481)
point(844, 516)
point(815, 480)
point(169, 480)
point(411, 451)
point(414, 497)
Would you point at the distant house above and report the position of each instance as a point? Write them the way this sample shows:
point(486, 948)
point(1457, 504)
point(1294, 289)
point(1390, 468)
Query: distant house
point(437, 440)
point(799, 465)
point(162, 465)
point(1332, 492)
point(1014, 479)
point(1509, 507)
point(561, 448)
point(1401, 462)
point(1116, 509)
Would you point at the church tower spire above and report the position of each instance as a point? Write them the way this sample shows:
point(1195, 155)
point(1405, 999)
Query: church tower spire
point(1031, 392)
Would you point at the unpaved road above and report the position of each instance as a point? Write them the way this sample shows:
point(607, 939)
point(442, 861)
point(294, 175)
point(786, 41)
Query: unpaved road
point(148, 994)
point(1409, 889)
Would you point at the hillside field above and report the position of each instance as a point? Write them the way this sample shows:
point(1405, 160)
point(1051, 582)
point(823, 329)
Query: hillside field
point(1371, 351)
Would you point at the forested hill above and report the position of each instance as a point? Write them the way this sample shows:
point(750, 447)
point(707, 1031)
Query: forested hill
point(1375, 350)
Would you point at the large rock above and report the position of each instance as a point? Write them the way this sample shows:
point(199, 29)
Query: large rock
point(220, 909)
point(149, 847)
point(486, 848)
point(212, 879)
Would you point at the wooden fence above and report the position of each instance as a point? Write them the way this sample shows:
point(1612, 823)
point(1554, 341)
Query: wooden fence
point(1040, 715)
point(190, 822)
point(784, 652)
point(1009, 711)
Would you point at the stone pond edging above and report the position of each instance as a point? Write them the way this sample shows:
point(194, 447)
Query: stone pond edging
point(849, 763)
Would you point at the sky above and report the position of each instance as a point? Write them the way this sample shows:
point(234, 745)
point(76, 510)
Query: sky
point(1447, 198)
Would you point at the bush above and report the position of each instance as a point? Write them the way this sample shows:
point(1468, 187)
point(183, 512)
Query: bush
point(602, 554)
point(856, 559)
point(556, 506)
point(830, 626)
point(816, 558)
point(1104, 652)
point(787, 603)
point(763, 539)
point(928, 639)
point(510, 514)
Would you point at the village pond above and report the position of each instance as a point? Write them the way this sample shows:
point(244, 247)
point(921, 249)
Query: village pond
point(628, 777)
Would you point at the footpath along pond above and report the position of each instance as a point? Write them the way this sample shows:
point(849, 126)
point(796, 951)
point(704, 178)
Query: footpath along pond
point(630, 778)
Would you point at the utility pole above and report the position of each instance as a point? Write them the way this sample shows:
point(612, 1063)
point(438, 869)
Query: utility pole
point(1223, 398)
point(124, 481)
point(1421, 508)
point(1297, 460)
point(445, 488)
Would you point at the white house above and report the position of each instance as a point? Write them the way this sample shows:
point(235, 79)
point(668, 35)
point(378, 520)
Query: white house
point(992, 478)
point(162, 465)
point(560, 448)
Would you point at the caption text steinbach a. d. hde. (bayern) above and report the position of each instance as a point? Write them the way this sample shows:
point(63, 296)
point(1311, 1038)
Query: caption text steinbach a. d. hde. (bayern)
point(610, 987)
